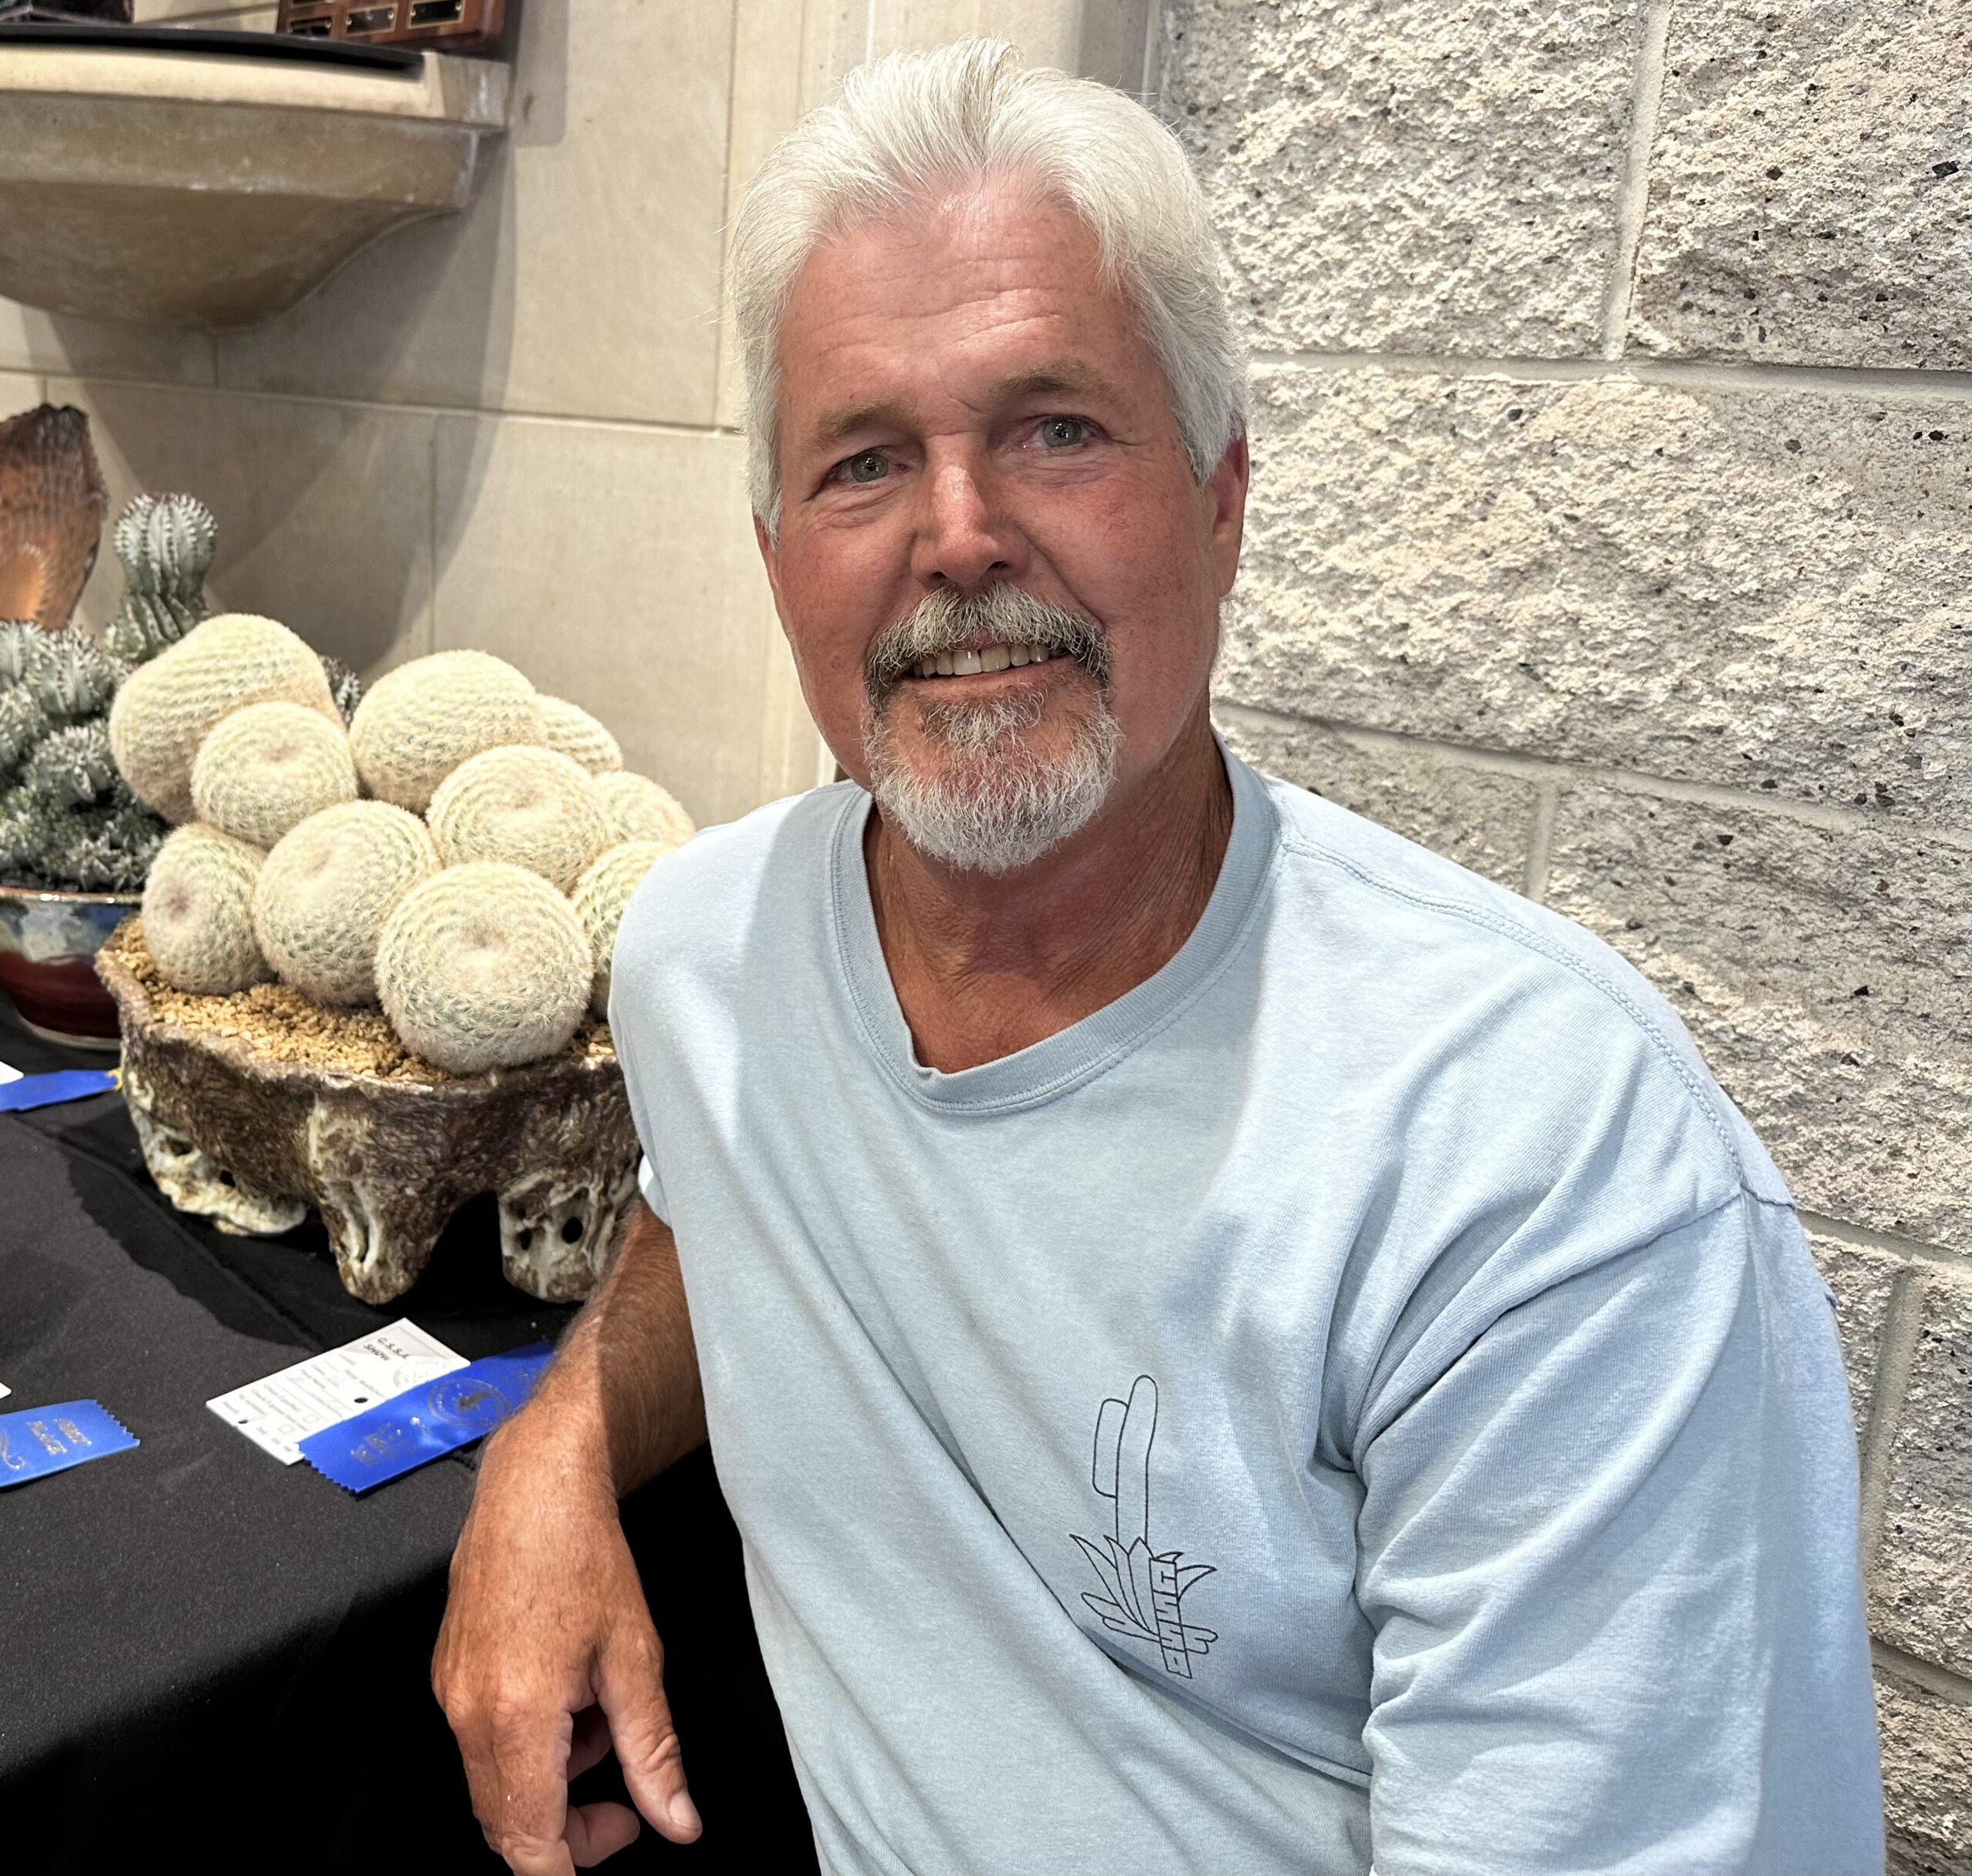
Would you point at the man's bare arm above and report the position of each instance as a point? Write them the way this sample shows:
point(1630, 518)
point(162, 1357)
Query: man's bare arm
point(548, 1657)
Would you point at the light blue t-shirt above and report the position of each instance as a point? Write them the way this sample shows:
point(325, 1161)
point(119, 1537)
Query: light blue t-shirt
point(1362, 1396)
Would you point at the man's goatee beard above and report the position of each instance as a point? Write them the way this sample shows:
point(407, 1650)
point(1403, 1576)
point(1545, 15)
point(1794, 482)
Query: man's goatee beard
point(992, 806)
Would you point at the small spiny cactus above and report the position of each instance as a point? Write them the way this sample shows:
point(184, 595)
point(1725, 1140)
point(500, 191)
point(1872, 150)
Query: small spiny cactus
point(267, 767)
point(573, 731)
point(601, 895)
point(483, 966)
point(166, 545)
point(418, 722)
point(23, 723)
point(344, 686)
point(637, 809)
point(71, 765)
point(530, 807)
point(166, 708)
point(327, 890)
point(199, 912)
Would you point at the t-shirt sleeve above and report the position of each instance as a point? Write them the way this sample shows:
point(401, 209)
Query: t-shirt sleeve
point(653, 1188)
point(1609, 1555)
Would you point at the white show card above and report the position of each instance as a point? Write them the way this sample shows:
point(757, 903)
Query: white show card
point(278, 1413)
point(4, 1390)
point(9, 1073)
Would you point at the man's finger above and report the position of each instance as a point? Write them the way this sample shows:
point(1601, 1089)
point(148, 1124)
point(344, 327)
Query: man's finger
point(521, 1795)
point(630, 1687)
point(598, 1830)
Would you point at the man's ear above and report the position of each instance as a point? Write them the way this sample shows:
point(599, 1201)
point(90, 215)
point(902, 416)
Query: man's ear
point(1226, 488)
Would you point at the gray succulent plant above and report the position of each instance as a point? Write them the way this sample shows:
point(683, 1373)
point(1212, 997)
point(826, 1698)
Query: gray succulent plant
point(67, 818)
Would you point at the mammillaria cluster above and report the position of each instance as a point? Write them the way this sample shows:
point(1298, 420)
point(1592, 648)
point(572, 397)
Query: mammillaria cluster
point(461, 853)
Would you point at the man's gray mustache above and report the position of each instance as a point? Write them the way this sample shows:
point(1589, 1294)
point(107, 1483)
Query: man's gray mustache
point(944, 620)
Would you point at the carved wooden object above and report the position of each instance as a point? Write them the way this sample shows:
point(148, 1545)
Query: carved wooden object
point(52, 502)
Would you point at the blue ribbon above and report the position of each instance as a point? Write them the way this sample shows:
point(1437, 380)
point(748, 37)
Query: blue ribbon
point(28, 1091)
point(426, 1422)
point(39, 1440)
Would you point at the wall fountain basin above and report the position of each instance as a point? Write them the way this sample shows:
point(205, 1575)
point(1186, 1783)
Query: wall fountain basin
point(199, 188)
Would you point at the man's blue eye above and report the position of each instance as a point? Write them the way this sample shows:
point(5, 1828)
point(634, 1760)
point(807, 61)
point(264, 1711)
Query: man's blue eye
point(872, 466)
point(1064, 432)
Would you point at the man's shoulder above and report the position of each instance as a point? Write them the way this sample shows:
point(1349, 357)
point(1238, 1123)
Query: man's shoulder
point(1435, 953)
point(704, 901)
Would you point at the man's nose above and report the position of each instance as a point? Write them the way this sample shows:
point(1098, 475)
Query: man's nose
point(966, 536)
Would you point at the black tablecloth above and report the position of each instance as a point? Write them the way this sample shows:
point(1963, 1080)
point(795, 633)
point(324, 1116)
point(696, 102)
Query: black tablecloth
point(210, 1658)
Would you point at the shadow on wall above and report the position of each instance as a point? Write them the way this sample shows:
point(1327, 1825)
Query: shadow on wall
point(314, 438)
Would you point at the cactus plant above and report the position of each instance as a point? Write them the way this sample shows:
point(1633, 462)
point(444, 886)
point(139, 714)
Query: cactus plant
point(344, 686)
point(269, 766)
point(531, 807)
point(483, 966)
point(572, 731)
point(418, 722)
point(327, 891)
point(637, 809)
point(165, 543)
point(600, 897)
point(166, 708)
point(199, 912)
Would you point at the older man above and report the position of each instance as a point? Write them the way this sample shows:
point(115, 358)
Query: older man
point(1232, 1344)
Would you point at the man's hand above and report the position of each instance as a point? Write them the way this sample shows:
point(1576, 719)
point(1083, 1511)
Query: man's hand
point(547, 1658)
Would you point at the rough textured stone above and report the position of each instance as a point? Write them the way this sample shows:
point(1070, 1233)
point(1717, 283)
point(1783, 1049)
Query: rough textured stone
point(1394, 175)
point(1920, 1586)
point(1763, 588)
point(1810, 201)
point(1861, 1280)
point(1483, 821)
point(1823, 973)
point(1927, 1742)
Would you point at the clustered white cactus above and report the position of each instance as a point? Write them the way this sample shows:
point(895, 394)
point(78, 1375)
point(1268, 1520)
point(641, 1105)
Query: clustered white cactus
point(475, 894)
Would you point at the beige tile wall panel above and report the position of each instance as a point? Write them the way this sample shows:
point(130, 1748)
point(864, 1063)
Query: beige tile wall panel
point(616, 567)
point(324, 512)
point(1482, 821)
point(32, 340)
point(1921, 1584)
point(1763, 588)
point(585, 279)
point(1927, 1743)
point(1811, 189)
point(1861, 1278)
point(19, 390)
point(1407, 174)
point(1821, 971)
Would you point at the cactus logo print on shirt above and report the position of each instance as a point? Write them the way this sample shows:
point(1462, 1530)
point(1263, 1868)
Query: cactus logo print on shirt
point(1143, 1589)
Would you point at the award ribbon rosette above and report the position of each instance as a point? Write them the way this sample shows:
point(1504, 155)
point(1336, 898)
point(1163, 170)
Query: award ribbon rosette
point(426, 1422)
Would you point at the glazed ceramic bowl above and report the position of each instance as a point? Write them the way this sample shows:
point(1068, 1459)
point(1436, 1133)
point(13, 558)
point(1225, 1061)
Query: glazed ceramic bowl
point(48, 946)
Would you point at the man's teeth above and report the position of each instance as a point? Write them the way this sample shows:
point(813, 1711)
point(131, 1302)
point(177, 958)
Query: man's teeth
point(993, 658)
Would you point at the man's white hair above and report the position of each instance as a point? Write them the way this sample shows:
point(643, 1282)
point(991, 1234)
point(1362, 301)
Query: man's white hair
point(912, 124)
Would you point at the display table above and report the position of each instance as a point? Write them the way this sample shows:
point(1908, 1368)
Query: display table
point(213, 1659)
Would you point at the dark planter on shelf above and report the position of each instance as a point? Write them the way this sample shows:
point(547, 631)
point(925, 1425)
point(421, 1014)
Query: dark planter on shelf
point(48, 945)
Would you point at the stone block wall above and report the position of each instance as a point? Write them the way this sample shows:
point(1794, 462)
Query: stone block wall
point(1611, 406)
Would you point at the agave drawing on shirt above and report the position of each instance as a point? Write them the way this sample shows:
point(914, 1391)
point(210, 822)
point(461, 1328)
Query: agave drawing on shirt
point(1143, 1589)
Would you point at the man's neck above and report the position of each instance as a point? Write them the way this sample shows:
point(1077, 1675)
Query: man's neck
point(984, 966)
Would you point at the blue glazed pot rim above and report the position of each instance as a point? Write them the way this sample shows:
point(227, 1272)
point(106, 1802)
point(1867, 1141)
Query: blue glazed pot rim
point(57, 896)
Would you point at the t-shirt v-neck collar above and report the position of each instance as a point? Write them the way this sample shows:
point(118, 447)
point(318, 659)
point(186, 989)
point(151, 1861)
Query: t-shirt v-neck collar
point(1085, 1049)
